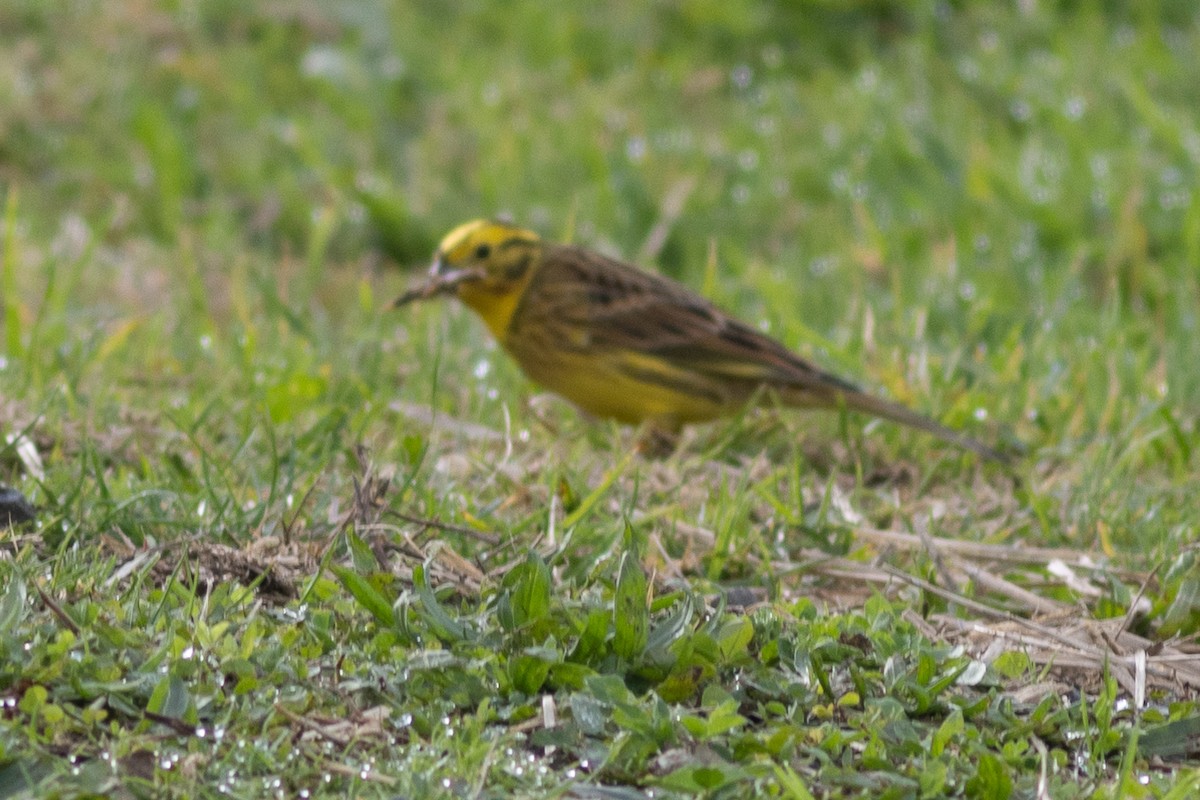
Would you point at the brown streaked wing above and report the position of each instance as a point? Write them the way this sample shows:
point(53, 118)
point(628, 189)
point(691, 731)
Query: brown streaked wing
point(606, 304)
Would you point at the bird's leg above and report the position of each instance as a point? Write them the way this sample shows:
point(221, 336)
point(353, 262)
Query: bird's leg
point(658, 438)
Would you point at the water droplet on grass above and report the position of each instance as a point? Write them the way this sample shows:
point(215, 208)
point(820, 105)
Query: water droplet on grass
point(324, 62)
point(635, 148)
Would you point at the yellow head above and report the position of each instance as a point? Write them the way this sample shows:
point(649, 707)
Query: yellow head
point(490, 264)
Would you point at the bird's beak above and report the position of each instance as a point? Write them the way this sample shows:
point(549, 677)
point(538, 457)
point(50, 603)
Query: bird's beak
point(452, 277)
point(441, 281)
point(439, 264)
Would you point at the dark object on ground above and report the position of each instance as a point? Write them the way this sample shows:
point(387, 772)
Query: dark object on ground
point(14, 508)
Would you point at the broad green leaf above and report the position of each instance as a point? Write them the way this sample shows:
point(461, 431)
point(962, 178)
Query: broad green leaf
point(528, 672)
point(366, 594)
point(13, 607)
point(171, 698)
point(526, 597)
point(445, 627)
point(631, 617)
point(361, 554)
point(991, 781)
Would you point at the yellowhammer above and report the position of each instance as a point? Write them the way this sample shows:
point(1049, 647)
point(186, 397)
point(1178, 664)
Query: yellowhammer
point(623, 343)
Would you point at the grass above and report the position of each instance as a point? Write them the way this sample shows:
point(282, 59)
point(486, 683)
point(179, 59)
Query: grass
point(292, 543)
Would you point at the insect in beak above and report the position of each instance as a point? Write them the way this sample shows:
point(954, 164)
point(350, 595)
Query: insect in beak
point(441, 281)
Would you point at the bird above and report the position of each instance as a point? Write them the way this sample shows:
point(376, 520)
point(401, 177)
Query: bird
point(623, 343)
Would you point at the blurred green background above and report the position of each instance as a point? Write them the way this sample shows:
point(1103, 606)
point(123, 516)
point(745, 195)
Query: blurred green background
point(998, 170)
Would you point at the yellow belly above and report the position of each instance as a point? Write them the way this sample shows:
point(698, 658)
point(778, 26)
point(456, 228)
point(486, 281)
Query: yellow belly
point(628, 387)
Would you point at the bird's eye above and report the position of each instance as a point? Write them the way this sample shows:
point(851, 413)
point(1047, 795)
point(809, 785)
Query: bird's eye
point(483, 251)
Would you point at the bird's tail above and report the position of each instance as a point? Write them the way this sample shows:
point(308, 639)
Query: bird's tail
point(877, 406)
